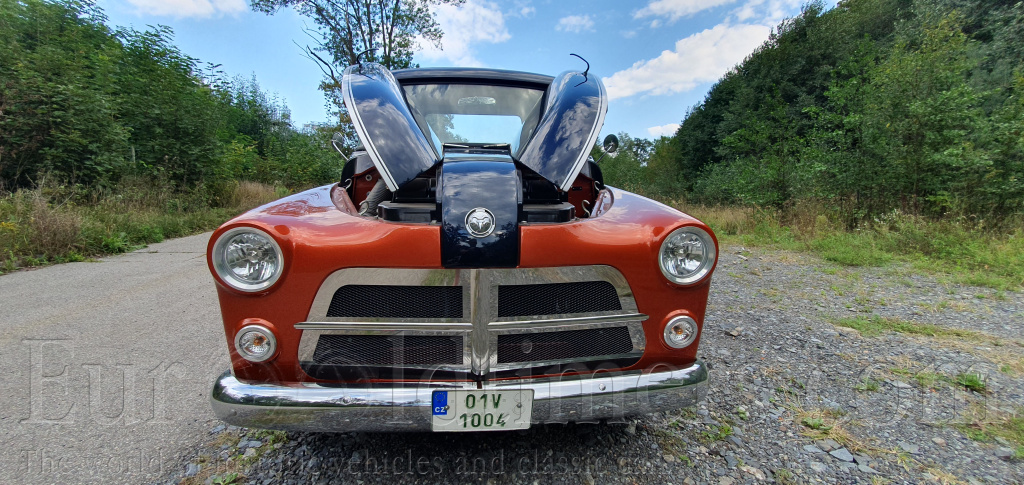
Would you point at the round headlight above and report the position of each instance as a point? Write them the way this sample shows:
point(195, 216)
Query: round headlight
point(255, 343)
point(248, 259)
point(680, 332)
point(687, 255)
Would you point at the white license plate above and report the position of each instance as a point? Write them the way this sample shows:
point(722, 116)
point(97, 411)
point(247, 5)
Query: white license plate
point(481, 410)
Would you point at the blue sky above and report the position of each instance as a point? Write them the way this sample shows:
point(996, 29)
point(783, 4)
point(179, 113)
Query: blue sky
point(656, 57)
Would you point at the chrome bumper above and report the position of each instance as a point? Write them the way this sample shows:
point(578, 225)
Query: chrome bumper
point(312, 407)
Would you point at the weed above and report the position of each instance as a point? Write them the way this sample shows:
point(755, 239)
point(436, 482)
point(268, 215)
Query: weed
point(850, 249)
point(716, 433)
point(942, 476)
point(226, 479)
point(827, 423)
point(670, 442)
point(784, 477)
point(252, 194)
point(901, 371)
point(742, 413)
point(876, 325)
point(785, 391)
point(930, 380)
point(815, 424)
point(987, 425)
point(971, 382)
point(867, 385)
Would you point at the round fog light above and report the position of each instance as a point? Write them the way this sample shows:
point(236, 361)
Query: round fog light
point(680, 332)
point(255, 343)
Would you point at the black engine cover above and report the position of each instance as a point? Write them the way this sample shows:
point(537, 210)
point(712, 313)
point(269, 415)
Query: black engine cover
point(480, 204)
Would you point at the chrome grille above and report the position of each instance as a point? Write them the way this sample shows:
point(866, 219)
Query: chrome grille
point(395, 350)
point(480, 321)
point(386, 301)
point(557, 298)
point(563, 345)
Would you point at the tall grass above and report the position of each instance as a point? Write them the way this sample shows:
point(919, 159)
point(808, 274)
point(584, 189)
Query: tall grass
point(56, 223)
point(966, 250)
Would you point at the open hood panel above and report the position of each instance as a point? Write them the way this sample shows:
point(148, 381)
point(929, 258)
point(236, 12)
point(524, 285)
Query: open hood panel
point(572, 121)
point(573, 114)
point(385, 125)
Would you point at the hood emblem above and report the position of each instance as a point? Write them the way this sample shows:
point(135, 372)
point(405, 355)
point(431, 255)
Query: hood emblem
point(480, 222)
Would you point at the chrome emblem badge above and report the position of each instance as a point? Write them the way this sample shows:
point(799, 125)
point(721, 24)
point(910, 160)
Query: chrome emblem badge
point(480, 222)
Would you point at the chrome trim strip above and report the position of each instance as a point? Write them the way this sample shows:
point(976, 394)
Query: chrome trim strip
point(362, 326)
point(480, 314)
point(618, 317)
point(390, 407)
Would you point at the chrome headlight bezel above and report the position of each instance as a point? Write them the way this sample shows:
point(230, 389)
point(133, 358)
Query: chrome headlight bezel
point(709, 255)
point(266, 332)
point(223, 268)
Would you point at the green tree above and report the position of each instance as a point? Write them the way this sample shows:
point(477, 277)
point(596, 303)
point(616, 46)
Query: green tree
point(382, 31)
point(57, 108)
point(351, 31)
point(172, 115)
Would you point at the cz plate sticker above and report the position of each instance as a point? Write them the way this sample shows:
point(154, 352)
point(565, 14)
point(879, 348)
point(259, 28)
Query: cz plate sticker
point(440, 403)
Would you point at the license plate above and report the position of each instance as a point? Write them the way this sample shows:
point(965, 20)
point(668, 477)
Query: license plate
point(481, 410)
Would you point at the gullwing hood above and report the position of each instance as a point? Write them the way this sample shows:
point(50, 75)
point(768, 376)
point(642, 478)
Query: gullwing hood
point(385, 125)
point(558, 148)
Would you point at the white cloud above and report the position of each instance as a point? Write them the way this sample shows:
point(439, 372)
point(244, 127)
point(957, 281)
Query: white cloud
point(575, 23)
point(768, 12)
point(699, 58)
point(677, 9)
point(475, 22)
point(189, 8)
point(520, 9)
point(663, 130)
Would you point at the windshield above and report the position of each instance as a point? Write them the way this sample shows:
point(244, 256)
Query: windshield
point(475, 114)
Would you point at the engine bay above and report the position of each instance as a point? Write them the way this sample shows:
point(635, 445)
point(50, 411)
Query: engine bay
point(417, 201)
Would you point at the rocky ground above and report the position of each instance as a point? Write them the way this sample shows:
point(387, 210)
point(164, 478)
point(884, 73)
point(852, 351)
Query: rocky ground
point(795, 397)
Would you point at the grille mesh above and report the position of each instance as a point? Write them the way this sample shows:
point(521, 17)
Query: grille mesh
point(385, 301)
point(556, 298)
point(387, 350)
point(569, 344)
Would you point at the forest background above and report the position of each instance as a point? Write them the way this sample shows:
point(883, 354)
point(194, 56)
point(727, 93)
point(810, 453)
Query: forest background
point(878, 131)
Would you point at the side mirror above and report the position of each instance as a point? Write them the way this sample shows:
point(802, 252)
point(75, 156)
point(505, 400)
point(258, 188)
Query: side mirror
point(338, 142)
point(611, 144)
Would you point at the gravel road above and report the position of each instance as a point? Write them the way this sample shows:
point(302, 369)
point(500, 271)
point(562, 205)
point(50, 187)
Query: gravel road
point(793, 399)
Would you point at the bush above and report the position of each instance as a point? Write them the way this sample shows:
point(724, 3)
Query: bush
point(58, 223)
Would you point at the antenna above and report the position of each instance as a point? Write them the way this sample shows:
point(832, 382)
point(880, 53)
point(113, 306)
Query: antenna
point(359, 57)
point(587, 70)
